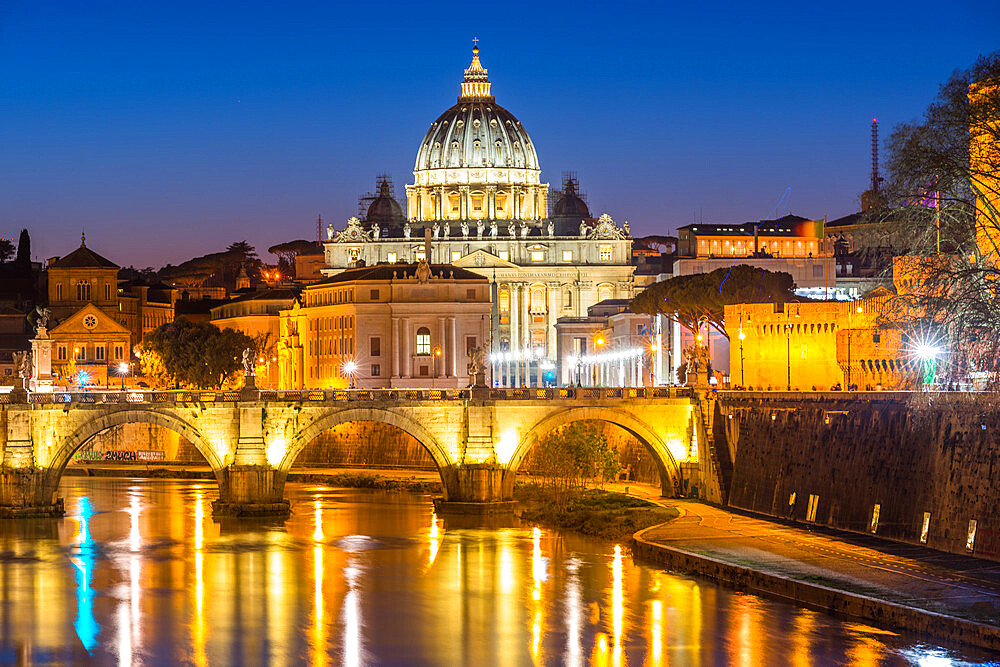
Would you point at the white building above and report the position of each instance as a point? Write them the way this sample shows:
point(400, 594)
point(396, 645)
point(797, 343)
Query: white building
point(477, 192)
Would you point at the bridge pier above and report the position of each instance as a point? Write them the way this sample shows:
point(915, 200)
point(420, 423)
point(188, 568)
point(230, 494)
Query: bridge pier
point(25, 492)
point(251, 490)
point(475, 488)
point(250, 486)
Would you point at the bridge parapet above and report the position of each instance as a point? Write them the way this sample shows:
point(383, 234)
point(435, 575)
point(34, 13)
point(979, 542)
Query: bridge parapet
point(103, 397)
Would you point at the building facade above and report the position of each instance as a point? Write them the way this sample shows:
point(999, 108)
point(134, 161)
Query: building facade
point(385, 326)
point(478, 194)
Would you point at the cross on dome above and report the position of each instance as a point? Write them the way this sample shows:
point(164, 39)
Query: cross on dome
point(476, 85)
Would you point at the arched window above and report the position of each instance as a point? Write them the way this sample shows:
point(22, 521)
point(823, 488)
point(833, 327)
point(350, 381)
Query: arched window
point(538, 297)
point(604, 292)
point(83, 291)
point(569, 298)
point(423, 340)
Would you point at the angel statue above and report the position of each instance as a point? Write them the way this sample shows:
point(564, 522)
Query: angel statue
point(493, 229)
point(248, 362)
point(406, 230)
point(479, 229)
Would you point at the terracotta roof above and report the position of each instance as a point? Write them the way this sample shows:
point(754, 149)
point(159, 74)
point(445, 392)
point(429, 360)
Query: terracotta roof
point(84, 257)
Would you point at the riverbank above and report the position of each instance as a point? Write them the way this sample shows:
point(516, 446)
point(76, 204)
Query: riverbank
point(956, 598)
point(592, 512)
point(391, 480)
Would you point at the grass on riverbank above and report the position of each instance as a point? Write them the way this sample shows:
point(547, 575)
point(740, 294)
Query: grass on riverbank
point(592, 512)
point(366, 481)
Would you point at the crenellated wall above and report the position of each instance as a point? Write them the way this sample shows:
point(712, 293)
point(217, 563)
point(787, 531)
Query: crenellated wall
point(908, 453)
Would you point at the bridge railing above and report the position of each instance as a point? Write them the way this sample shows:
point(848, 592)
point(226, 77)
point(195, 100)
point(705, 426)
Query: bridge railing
point(98, 397)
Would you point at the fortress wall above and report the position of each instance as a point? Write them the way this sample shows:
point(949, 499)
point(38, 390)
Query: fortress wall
point(908, 453)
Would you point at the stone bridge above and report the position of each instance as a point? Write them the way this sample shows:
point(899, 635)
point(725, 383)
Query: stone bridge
point(477, 437)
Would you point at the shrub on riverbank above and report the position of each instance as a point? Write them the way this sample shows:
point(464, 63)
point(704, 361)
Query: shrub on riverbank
point(592, 512)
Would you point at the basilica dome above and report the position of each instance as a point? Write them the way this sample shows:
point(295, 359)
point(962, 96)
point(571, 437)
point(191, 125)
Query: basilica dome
point(478, 133)
point(476, 161)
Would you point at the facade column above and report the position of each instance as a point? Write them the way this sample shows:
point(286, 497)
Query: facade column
point(526, 313)
point(407, 357)
point(441, 362)
point(454, 346)
point(513, 313)
point(395, 347)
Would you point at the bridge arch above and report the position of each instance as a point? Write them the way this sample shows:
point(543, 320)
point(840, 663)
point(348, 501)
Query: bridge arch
point(392, 417)
point(132, 415)
point(665, 462)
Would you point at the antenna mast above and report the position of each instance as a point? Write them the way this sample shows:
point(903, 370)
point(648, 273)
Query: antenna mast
point(319, 229)
point(875, 177)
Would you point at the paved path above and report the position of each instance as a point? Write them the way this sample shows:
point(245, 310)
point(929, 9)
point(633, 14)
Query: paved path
point(906, 574)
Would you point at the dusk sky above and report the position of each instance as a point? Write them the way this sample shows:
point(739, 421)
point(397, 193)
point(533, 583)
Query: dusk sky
point(170, 131)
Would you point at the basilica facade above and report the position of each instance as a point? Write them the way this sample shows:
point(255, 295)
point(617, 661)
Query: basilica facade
point(478, 198)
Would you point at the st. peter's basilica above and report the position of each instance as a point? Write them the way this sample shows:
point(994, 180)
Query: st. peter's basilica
point(478, 195)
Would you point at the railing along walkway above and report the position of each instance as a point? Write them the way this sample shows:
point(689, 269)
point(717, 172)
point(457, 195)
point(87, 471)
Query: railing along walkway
point(353, 395)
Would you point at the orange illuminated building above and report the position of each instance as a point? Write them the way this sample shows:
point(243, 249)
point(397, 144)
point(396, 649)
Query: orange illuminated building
point(816, 345)
point(984, 156)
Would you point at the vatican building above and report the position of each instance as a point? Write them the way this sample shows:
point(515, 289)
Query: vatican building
point(478, 202)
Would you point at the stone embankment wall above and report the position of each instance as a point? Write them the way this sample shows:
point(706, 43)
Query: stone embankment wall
point(930, 462)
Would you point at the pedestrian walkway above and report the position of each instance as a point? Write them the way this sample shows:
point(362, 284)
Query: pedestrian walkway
point(954, 585)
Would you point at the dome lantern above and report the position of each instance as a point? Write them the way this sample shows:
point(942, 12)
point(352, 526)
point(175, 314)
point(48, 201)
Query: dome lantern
point(476, 85)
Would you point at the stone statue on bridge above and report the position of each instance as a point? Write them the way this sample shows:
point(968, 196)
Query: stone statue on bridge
point(477, 366)
point(698, 362)
point(248, 362)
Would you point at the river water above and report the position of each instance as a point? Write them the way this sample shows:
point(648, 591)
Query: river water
point(138, 572)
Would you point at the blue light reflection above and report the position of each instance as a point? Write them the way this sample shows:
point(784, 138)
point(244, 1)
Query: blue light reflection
point(86, 625)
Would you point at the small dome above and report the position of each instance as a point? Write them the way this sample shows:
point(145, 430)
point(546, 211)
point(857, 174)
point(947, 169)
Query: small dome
point(385, 210)
point(570, 204)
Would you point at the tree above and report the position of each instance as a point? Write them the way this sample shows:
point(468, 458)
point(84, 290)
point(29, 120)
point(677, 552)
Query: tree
point(6, 250)
point(23, 248)
point(943, 189)
point(702, 297)
point(287, 252)
point(196, 354)
point(575, 454)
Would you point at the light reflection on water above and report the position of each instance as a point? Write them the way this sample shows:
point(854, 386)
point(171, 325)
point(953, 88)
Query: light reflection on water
point(138, 572)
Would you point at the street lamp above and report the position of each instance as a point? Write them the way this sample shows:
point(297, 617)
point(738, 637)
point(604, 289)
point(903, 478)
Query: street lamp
point(928, 354)
point(788, 340)
point(350, 370)
point(123, 371)
point(434, 357)
point(742, 337)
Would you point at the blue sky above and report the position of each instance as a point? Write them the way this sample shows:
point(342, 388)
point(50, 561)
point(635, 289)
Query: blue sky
point(170, 131)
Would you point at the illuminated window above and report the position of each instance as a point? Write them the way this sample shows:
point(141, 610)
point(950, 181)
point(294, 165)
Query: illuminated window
point(504, 255)
point(477, 203)
point(391, 257)
point(455, 202)
point(419, 255)
point(504, 301)
point(423, 340)
point(354, 254)
point(567, 255)
point(456, 255)
point(537, 255)
point(605, 253)
point(80, 352)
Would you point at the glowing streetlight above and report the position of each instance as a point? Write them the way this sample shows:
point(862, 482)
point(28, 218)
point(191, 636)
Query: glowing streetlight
point(350, 370)
point(742, 336)
point(927, 353)
point(123, 371)
point(434, 358)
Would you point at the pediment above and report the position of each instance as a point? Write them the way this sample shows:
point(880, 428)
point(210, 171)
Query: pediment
point(480, 259)
point(74, 324)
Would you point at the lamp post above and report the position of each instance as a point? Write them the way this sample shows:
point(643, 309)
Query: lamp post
point(788, 341)
point(653, 347)
point(434, 357)
point(351, 369)
point(849, 312)
point(742, 336)
point(123, 371)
